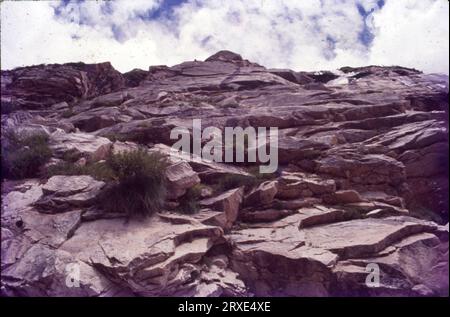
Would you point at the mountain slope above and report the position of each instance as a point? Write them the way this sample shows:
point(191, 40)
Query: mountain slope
point(363, 179)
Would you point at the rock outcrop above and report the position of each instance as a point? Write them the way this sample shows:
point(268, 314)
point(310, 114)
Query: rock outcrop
point(361, 186)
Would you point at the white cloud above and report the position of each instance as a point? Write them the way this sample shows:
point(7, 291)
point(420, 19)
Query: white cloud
point(301, 35)
point(412, 33)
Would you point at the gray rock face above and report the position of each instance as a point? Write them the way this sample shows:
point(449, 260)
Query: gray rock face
point(318, 255)
point(36, 87)
point(361, 186)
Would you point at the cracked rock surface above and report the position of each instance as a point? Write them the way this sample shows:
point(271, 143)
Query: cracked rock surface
point(362, 180)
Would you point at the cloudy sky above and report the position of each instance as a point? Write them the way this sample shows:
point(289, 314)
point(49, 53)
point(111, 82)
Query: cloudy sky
point(297, 34)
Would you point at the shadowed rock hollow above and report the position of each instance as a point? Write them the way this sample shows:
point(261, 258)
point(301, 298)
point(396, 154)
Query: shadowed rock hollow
point(363, 179)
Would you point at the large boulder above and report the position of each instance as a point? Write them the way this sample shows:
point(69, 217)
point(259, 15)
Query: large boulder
point(62, 193)
point(296, 185)
point(262, 195)
point(228, 202)
point(415, 266)
point(180, 177)
point(80, 144)
point(98, 118)
point(29, 192)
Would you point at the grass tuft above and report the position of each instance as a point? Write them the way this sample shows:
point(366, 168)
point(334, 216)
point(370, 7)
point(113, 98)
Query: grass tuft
point(24, 154)
point(139, 187)
point(189, 202)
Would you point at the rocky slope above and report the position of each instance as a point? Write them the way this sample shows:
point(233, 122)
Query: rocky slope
point(363, 179)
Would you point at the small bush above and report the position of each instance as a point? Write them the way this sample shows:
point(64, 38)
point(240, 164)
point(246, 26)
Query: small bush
point(67, 113)
point(113, 137)
point(136, 181)
point(189, 201)
point(139, 188)
point(231, 181)
point(24, 154)
point(71, 155)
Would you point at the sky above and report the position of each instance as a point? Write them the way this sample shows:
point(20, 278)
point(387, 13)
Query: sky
point(303, 35)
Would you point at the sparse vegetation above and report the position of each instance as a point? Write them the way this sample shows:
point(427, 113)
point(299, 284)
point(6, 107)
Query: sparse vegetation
point(113, 137)
point(24, 154)
point(231, 181)
point(189, 201)
point(67, 113)
point(71, 155)
point(420, 211)
point(100, 171)
point(136, 181)
point(139, 187)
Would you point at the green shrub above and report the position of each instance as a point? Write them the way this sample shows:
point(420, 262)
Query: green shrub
point(24, 154)
point(189, 202)
point(139, 187)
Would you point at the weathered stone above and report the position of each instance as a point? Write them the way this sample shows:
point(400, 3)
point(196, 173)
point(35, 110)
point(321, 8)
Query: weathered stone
point(82, 144)
point(63, 192)
point(98, 118)
point(159, 255)
point(343, 197)
point(296, 203)
point(415, 267)
point(228, 202)
point(180, 177)
point(17, 200)
point(206, 169)
point(51, 230)
point(266, 215)
point(41, 265)
point(359, 149)
point(296, 185)
point(365, 236)
point(123, 147)
point(262, 195)
point(318, 215)
point(35, 87)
